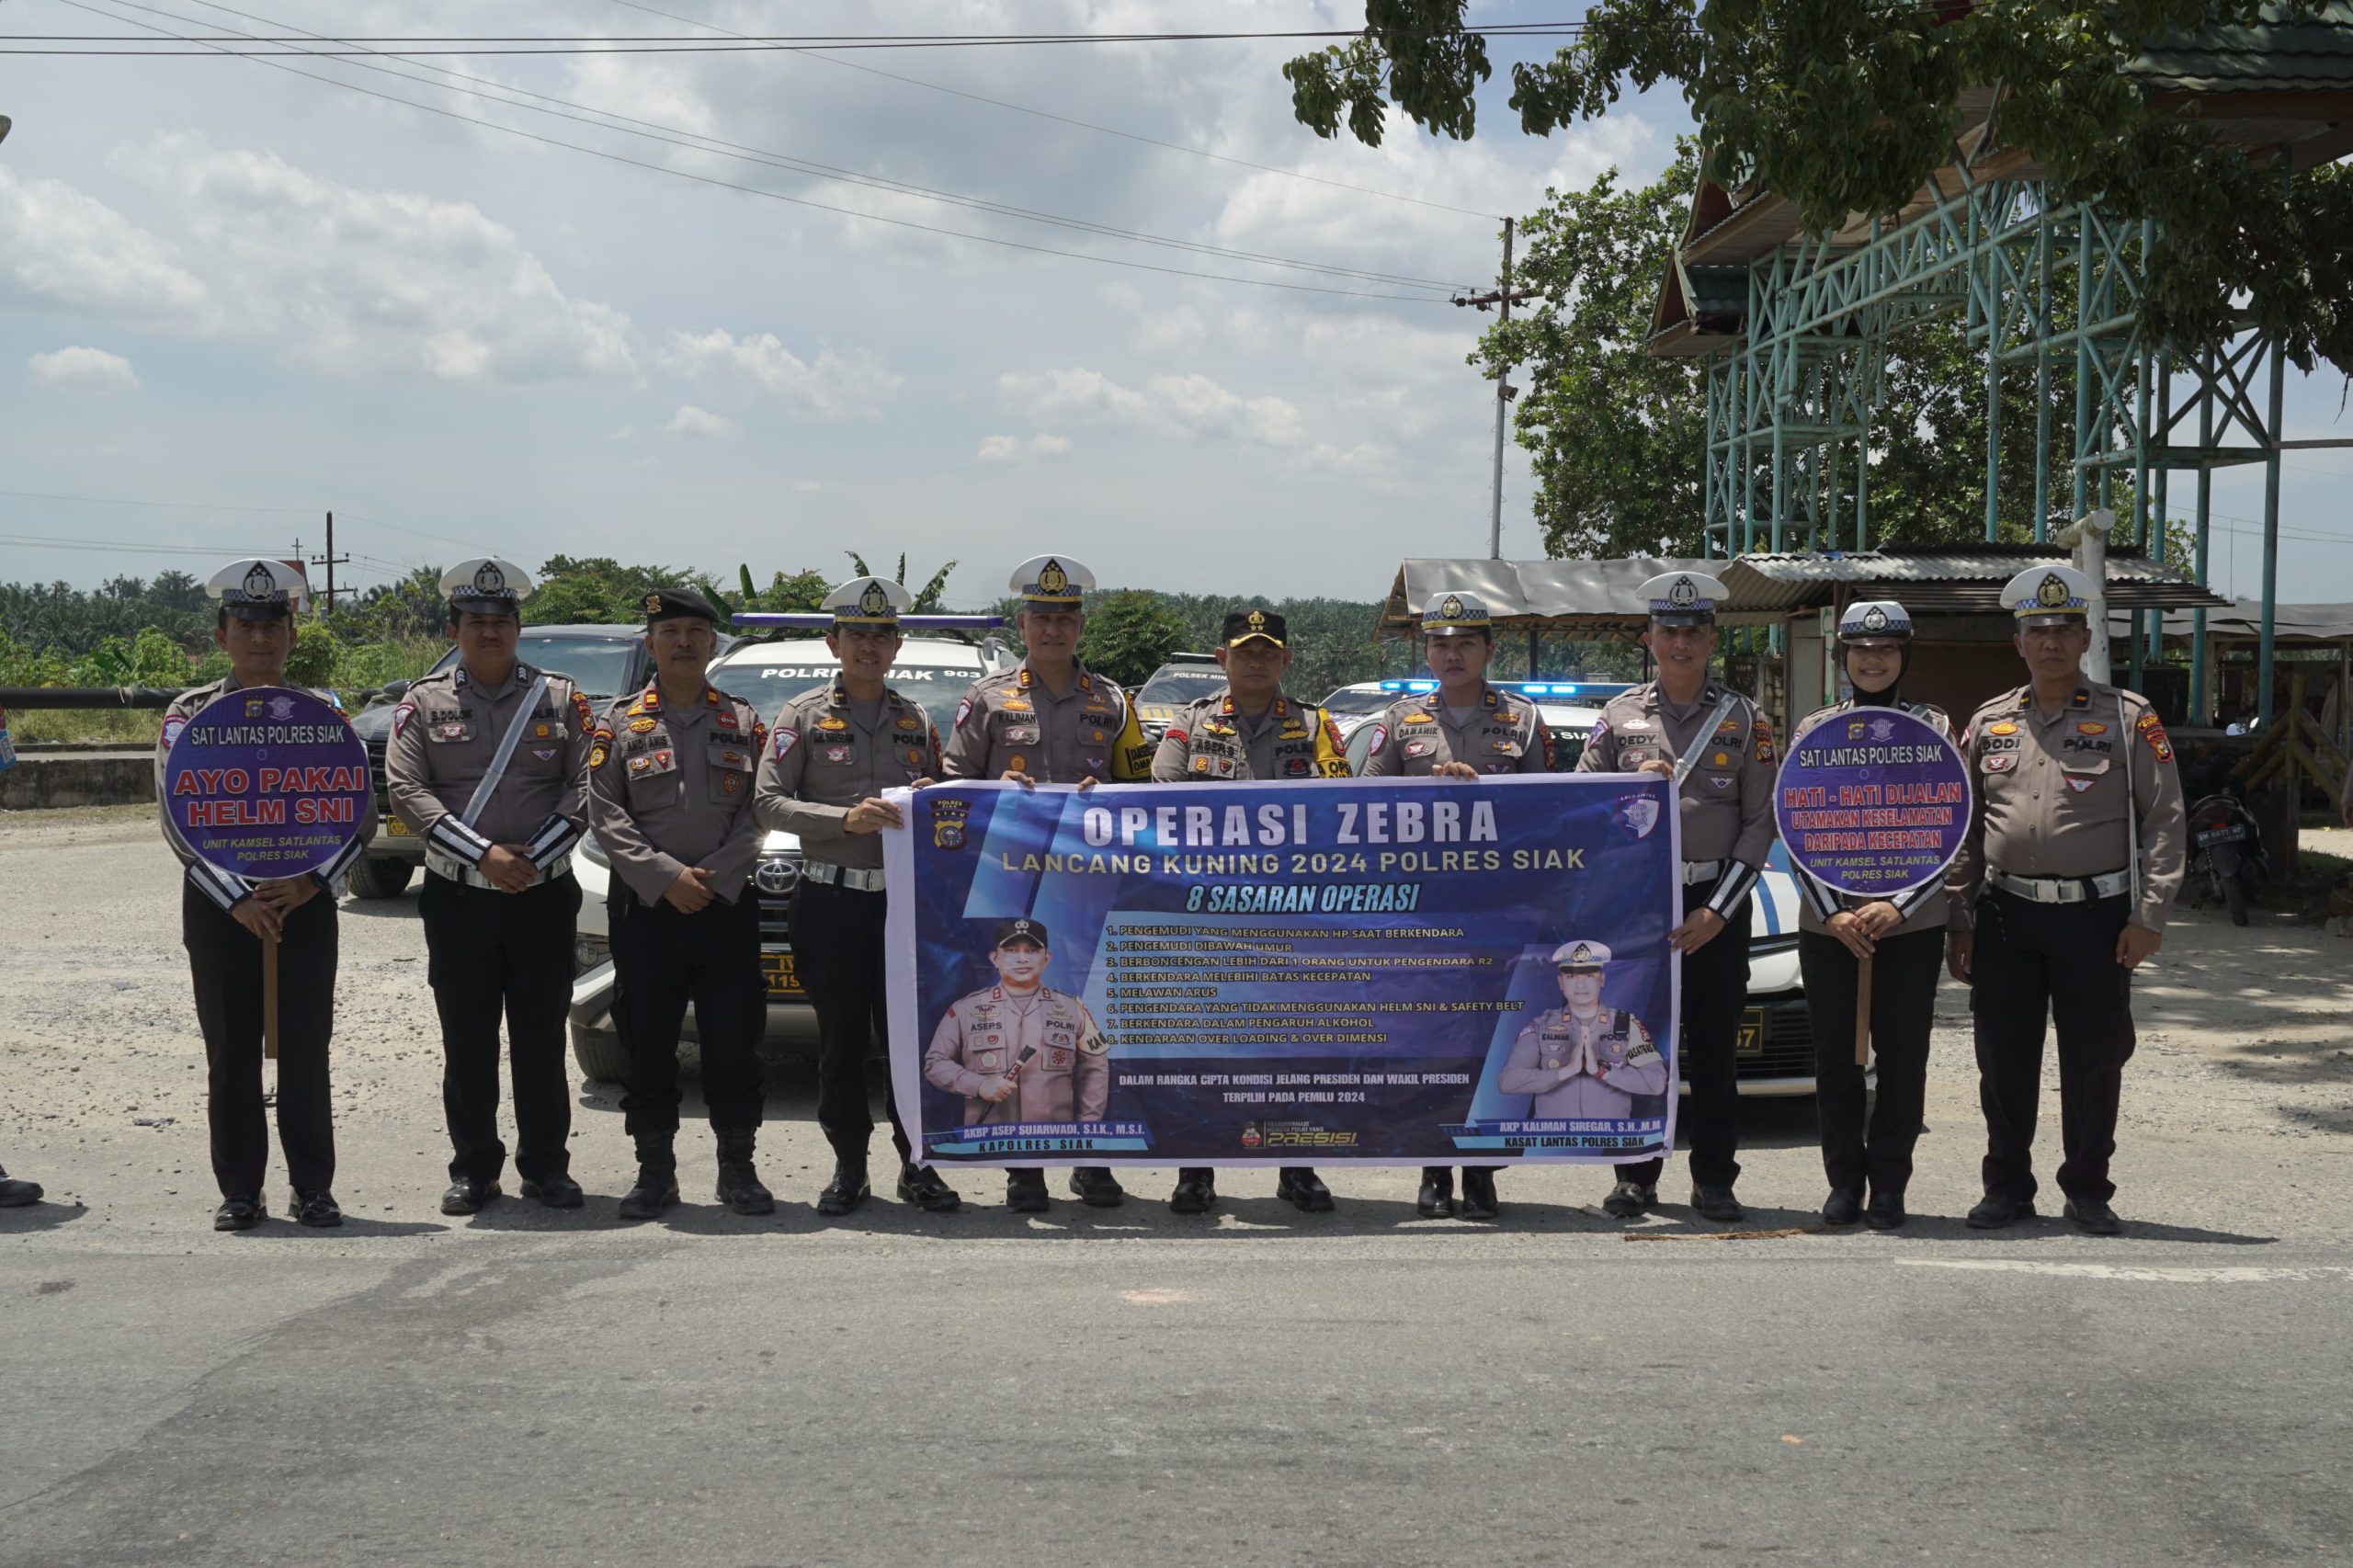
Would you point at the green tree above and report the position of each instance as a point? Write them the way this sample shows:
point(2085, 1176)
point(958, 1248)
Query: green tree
point(803, 592)
point(1130, 633)
point(1848, 107)
point(926, 598)
point(1616, 435)
point(600, 590)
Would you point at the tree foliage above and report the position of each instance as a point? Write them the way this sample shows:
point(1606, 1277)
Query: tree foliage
point(927, 597)
point(1846, 107)
point(1130, 633)
point(1616, 435)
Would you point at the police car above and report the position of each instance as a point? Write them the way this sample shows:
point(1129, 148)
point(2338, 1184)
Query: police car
point(1775, 1042)
point(930, 671)
point(1184, 677)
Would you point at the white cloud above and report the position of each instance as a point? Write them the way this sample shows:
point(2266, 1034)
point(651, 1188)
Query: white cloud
point(693, 421)
point(1202, 405)
point(92, 370)
point(65, 248)
point(832, 386)
point(1013, 449)
point(807, 486)
point(1083, 394)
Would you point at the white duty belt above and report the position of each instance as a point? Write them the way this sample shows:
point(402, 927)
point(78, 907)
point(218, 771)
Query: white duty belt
point(1698, 872)
point(2062, 890)
point(457, 870)
point(859, 878)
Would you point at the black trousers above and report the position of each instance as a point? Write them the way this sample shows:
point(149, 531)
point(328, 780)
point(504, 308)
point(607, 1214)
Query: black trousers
point(1903, 1005)
point(2055, 962)
point(1715, 993)
point(837, 952)
point(224, 961)
point(665, 960)
point(491, 953)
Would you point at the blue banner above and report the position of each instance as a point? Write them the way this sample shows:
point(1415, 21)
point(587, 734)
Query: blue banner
point(1382, 972)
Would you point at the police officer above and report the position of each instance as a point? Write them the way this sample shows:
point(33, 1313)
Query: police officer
point(1903, 940)
point(1464, 729)
point(670, 772)
point(225, 918)
point(1719, 752)
point(1020, 1050)
point(1582, 1060)
point(2075, 848)
point(17, 1193)
point(1050, 722)
point(835, 749)
point(1251, 730)
point(488, 764)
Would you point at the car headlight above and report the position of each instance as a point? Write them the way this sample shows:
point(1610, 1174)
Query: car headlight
point(593, 851)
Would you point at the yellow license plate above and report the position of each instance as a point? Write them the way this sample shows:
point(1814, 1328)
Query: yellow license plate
point(777, 970)
point(396, 828)
point(1751, 1039)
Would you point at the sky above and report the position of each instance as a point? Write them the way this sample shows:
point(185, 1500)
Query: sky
point(243, 297)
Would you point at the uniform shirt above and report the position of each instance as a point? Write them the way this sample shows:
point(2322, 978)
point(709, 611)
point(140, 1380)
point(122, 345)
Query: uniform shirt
point(1726, 800)
point(1923, 908)
point(1552, 1062)
point(823, 757)
point(669, 789)
point(1046, 1041)
point(1417, 735)
point(2051, 797)
point(1208, 739)
point(446, 733)
point(226, 888)
point(1013, 721)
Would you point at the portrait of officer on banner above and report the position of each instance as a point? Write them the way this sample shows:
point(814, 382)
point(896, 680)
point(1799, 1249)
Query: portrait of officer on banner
point(1582, 1061)
point(1020, 1051)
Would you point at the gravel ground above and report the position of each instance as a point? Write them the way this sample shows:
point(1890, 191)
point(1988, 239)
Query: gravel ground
point(2245, 1064)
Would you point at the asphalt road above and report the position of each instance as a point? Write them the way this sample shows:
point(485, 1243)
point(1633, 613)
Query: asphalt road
point(1129, 1386)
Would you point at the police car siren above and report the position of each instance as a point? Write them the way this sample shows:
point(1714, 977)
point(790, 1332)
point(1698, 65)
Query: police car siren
point(823, 620)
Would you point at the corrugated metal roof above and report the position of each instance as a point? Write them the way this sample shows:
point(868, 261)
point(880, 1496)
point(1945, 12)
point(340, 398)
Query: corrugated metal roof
point(2243, 618)
point(1960, 581)
point(2274, 56)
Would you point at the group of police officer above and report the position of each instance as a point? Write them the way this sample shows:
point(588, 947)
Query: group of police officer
point(2074, 849)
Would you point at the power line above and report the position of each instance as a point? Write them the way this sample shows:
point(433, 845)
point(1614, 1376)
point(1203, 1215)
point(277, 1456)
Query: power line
point(1067, 120)
point(598, 44)
point(780, 196)
point(697, 142)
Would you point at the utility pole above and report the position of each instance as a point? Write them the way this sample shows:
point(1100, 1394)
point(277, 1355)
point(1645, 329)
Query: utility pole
point(330, 560)
point(1503, 295)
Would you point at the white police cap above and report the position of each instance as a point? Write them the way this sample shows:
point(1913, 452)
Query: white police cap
point(256, 588)
point(866, 601)
point(1455, 615)
point(1866, 618)
point(1051, 582)
point(2049, 596)
point(485, 584)
point(1580, 955)
point(1682, 599)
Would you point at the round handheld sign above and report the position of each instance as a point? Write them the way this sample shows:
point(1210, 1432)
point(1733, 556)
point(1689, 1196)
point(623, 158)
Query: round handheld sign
point(267, 782)
point(1873, 801)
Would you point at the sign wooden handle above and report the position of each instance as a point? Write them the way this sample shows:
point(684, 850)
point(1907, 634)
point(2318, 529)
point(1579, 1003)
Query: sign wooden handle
point(1863, 1013)
point(270, 998)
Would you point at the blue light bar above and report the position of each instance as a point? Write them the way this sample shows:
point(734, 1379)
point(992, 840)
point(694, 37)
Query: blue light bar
point(820, 622)
point(1394, 685)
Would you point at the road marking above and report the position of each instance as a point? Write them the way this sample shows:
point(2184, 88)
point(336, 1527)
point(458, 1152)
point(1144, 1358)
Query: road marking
point(2219, 1275)
point(1156, 1298)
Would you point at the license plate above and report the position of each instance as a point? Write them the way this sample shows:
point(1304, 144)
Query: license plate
point(395, 828)
point(776, 969)
point(1751, 1039)
point(2220, 835)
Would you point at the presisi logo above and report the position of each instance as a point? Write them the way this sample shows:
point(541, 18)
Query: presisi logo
point(1306, 1135)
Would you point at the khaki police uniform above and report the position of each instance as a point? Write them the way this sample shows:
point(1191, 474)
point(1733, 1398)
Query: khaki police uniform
point(2063, 805)
point(825, 753)
point(1726, 804)
point(1014, 723)
point(1046, 1041)
point(491, 952)
point(1579, 1068)
point(1417, 735)
point(671, 788)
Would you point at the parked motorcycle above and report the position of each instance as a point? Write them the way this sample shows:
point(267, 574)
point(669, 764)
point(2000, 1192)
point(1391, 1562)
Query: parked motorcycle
point(2226, 861)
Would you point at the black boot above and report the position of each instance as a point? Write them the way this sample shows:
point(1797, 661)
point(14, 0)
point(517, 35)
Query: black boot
point(847, 1190)
point(739, 1184)
point(657, 1180)
point(1478, 1194)
point(1025, 1192)
point(1436, 1200)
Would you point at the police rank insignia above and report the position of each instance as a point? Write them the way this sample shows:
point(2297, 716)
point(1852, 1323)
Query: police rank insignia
point(2091, 727)
point(653, 603)
point(2004, 728)
point(641, 726)
point(948, 823)
point(909, 722)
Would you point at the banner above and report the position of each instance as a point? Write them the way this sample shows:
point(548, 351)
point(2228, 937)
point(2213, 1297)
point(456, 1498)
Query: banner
point(1873, 801)
point(265, 782)
point(1376, 972)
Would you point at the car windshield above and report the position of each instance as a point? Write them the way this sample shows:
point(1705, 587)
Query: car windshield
point(768, 687)
point(598, 665)
point(1356, 699)
point(1182, 683)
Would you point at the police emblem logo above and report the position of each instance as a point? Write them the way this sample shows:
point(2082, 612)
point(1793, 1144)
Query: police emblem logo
point(1874, 620)
point(874, 601)
point(540, 731)
point(1018, 763)
point(1581, 953)
point(253, 707)
point(1201, 765)
point(1854, 732)
point(1380, 739)
point(1053, 578)
point(731, 783)
point(545, 754)
point(1637, 814)
point(2001, 763)
point(1295, 767)
point(1257, 621)
point(1451, 608)
point(489, 579)
point(837, 754)
point(1882, 730)
point(784, 741)
point(177, 723)
point(259, 582)
point(2052, 593)
point(598, 753)
point(653, 603)
point(1723, 759)
point(948, 823)
point(2079, 782)
point(1684, 594)
point(1021, 928)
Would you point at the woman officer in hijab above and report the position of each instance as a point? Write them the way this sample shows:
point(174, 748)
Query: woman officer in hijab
point(1903, 937)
